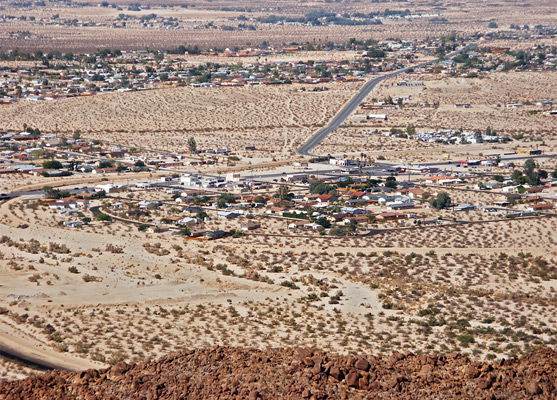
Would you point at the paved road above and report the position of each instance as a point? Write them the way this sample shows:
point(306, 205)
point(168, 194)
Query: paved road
point(338, 119)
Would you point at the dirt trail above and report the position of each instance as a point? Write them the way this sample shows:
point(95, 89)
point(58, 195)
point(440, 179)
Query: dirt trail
point(20, 345)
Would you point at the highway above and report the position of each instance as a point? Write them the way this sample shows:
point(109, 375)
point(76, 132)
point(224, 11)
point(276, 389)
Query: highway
point(345, 112)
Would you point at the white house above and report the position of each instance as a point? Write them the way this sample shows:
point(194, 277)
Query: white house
point(73, 224)
point(377, 117)
point(400, 202)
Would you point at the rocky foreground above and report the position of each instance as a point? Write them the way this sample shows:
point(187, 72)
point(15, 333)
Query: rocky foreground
point(231, 373)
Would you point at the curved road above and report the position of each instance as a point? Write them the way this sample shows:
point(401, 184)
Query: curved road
point(338, 119)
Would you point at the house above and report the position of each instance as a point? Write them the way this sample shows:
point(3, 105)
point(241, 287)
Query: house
point(311, 197)
point(278, 204)
point(416, 193)
point(106, 188)
point(443, 180)
point(298, 225)
point(464, 207)
point(382, 117)
point(233, 177)
point(67, 212)
point(352, 194)
point(326, 198)
point(199, 233)
point(148, 204)
point(211, 235)
point(297, 177)
point(410, 83)
point(82, 203)
point(144, 185)
point(190, 180)
point(156, 229)
point(360, 219)
point(353, 210)
point(387, 216)
point(313, 226)
point(400, 202)
point(333, 218)
point(342, 162)
point(540, 207)
point(62, 204)
point(188, 221)
point(104, 170)
point(534, 189)
point(192, 209)
point(250, 226)
point(228, 214)
point(73, 224)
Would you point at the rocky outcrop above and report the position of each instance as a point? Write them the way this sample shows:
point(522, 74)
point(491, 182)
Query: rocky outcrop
point(232, 373)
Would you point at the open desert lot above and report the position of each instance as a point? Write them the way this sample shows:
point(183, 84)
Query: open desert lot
point(268, 117)
point(487, 96)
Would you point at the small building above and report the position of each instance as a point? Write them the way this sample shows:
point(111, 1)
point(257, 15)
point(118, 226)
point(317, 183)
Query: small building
point(73, 224)
point(298, 225)
point(233, 177)
point(540, 207)
point(228, 214)
point(382, 117)
point(464, 207)
point(410, 83)
point(250, 226)
point(157, 229)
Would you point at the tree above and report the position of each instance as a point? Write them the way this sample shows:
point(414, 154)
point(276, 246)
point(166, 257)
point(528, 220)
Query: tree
point(529, 166)
point(106, 164)
point(282, 192)
point(139, 164)
point(76, 135)
point(442, 200)
point(517, 177)
point(499, 178)
point(103, 217)
point(492, 25)
point(324, 222)
point(390, 182)
point(185, 231)
point(192, 145)
point(52, 164)
point(201, 215)
point(51, 193)
point(321, 188)
point(554, 173)
point(224, 199)
point(259, 199)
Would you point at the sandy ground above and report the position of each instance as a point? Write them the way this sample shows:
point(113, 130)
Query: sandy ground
point(487, 96)
point(271, 118)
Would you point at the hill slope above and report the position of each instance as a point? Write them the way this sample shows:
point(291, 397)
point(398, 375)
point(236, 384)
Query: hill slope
point(232, 373)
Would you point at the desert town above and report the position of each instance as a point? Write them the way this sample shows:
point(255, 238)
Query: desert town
point(368, 196)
